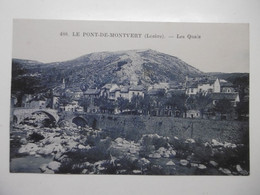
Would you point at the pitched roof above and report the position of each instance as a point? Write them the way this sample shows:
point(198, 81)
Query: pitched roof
point(39, 97)
point(110, 86)
point(57, 91)
point(207, 81)
point(155, 91)
point(114, 88)
point(226, 84)
point(76, 89)
point(92, 92)
point(107, 86)
point(124, 89)
point(136, 88)
point(176, 91)
point(161, 85)
point(219, 96)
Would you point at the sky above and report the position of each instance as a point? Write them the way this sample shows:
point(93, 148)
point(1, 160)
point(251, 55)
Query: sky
point(207, 47)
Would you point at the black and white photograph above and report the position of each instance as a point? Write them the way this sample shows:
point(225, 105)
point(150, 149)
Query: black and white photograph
point(129, 98)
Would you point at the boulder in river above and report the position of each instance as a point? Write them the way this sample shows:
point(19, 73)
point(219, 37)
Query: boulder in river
point(213, 163)
point(170, 163)
point(28, 148)
point(184, 162)
point(225, 171)
point(144, 161)
point(54, 165)
point(137, 171)
point(190, 141)
point(215, 143)
point(202, 166)
point(155, 155)
point(43, 167)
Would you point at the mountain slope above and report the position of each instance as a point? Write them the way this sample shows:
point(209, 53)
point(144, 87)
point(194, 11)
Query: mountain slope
point(96, 69)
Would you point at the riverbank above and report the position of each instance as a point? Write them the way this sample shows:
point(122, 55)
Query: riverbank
point(78, 150)
point(133, 127)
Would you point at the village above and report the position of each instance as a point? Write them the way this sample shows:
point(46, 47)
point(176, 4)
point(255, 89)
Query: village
point(164, 129)
point(198, 97)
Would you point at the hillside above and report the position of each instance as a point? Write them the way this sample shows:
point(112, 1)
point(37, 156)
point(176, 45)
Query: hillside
point(238, 79)
point(96, 69)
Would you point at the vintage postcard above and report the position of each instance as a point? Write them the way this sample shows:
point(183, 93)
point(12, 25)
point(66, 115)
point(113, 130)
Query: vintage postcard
point(133, 98)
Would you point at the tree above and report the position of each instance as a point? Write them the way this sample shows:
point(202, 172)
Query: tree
point(85, 103)
point(223, 106)
point(110, 106)
point(136, 103)
point(177, 102)
point(84, 87)
point(122, 103)
point(105, 104)
point(65, 99)
point(198, 102)
point(146, 104)
point(26, 85)
point(242, 109)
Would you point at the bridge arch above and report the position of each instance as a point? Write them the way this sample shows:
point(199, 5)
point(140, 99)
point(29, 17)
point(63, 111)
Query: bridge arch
point(46, 113)
point(52, 121)
point(20, 114)
point(79, 121)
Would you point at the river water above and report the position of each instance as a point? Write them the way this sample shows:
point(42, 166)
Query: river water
point(28, 164)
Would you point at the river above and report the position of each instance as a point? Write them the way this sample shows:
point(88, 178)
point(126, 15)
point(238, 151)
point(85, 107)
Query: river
point(28, 164)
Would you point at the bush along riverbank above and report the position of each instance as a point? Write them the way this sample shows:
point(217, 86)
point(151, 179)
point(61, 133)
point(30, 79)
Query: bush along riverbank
point(78, 150)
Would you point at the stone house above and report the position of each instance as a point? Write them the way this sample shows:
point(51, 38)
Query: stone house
point(192, 90)
point(232, 97)
point(72, 107)
point(192, 114)
point(37, 102)
point(204, 87)
point(227, 87)
point(137, 90)
point(92, 94)
point(113, 91)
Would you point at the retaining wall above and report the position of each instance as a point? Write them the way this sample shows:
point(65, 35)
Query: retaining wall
point(132, 127)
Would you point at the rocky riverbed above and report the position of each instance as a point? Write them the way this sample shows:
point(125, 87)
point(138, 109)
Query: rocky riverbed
point(78, 150)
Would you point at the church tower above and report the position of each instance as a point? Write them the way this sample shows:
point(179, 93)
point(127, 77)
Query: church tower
point(63, 84)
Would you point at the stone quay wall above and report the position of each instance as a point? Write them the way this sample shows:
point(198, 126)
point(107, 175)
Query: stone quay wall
point(133, 127)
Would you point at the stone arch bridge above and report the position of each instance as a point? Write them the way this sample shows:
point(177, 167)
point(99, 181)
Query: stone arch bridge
point(19, 114)
point(78, 118)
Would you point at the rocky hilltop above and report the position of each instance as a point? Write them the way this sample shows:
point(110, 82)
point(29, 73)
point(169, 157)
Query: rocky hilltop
point(96, 69)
